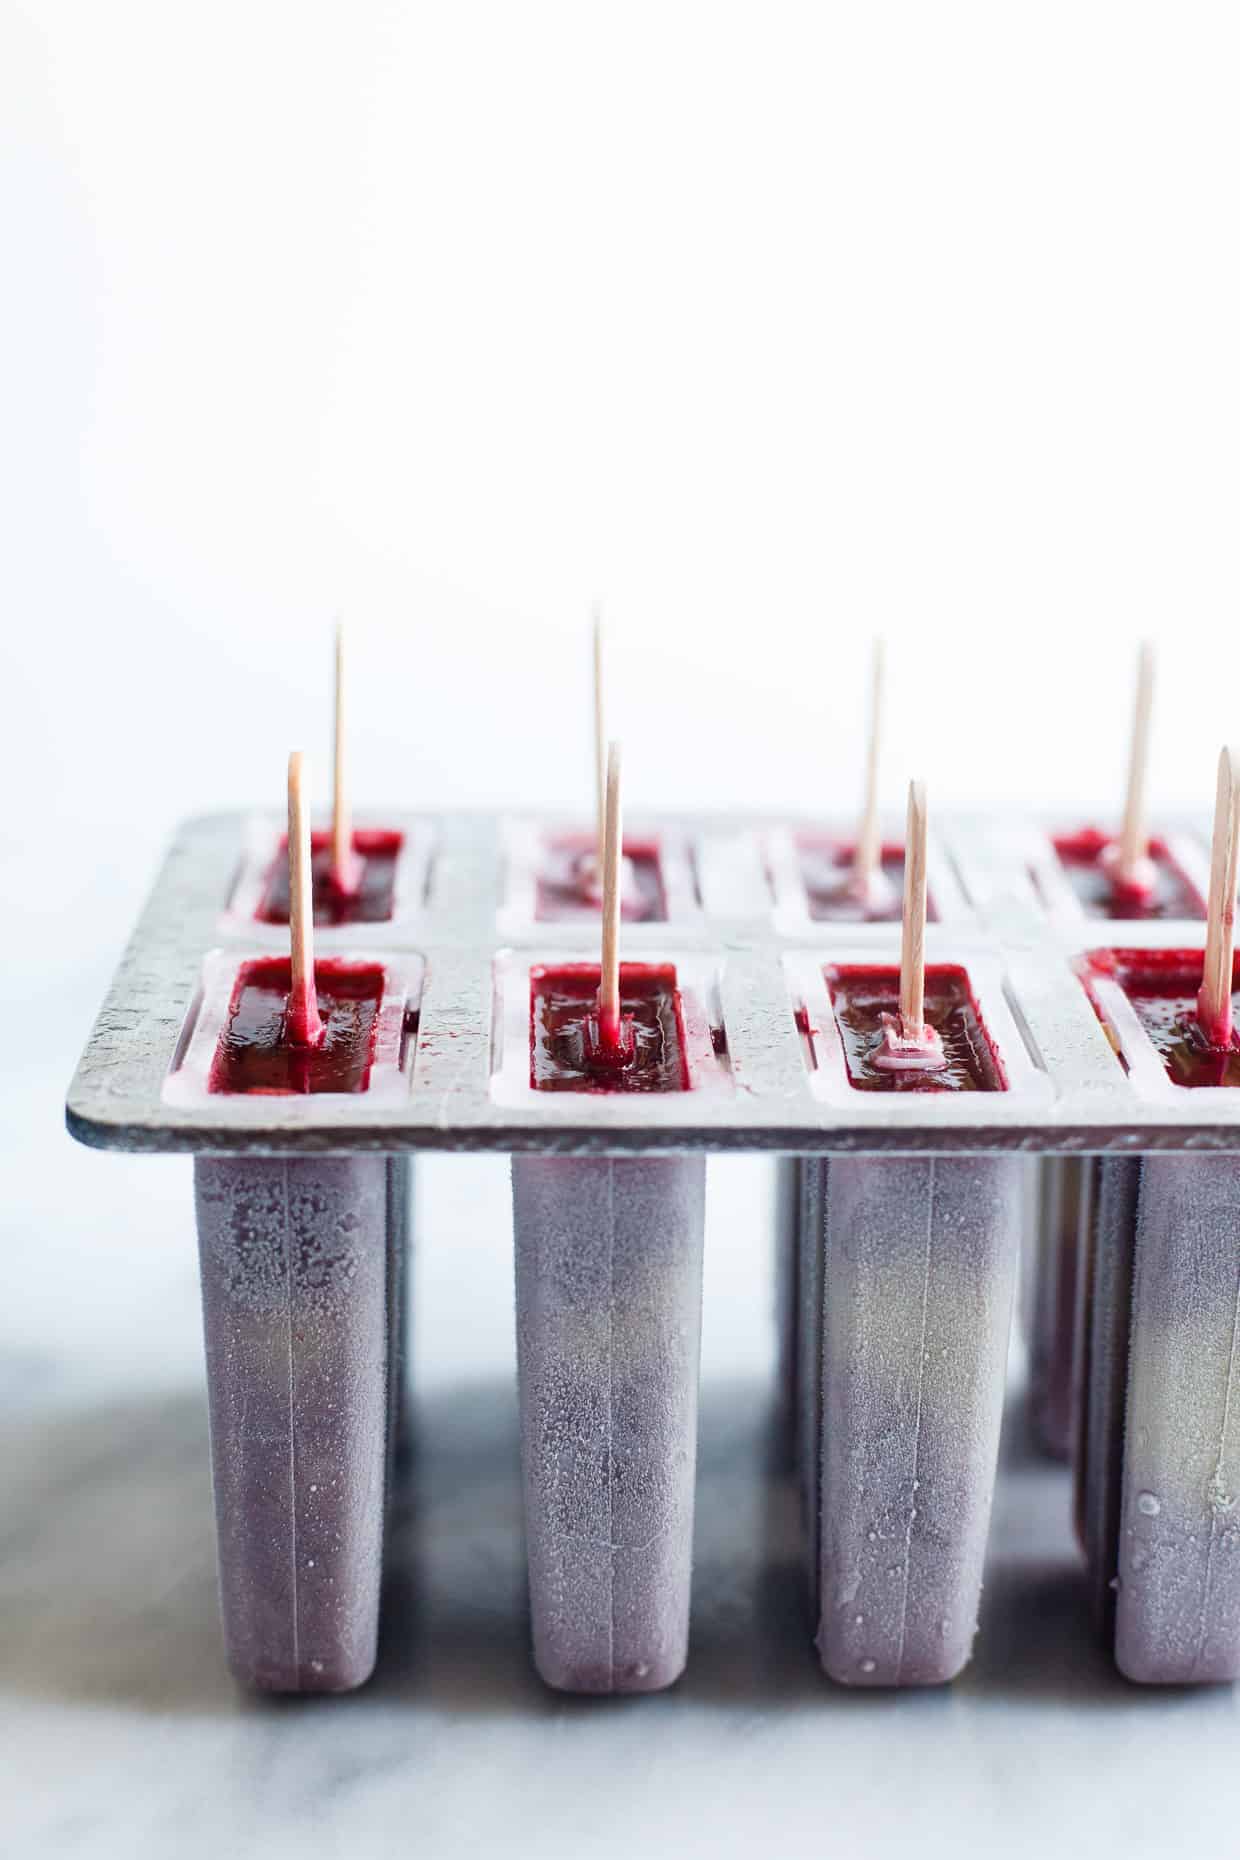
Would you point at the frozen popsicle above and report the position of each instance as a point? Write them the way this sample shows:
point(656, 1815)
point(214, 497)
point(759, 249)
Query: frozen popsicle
point(608, 1278)
point(1178, 1607)
point(302, 1269)
point(301, 1259)
point(918, 1274)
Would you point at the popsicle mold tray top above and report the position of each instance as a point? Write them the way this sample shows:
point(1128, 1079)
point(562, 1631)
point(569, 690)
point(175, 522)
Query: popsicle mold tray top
point(476, 899)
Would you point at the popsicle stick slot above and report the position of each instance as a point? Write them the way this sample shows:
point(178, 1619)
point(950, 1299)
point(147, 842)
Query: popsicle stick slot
point(867, 858)
point(305, 1027)
point(1214, 998)
point(1131, 869)
point(609, 974)
point(344, 867)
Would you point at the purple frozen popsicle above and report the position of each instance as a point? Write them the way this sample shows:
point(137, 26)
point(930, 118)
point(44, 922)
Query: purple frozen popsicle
point(608, 1279)
point(299, 1263)
point(919, 1273)
point(609, 1276)
point(1178, 1607)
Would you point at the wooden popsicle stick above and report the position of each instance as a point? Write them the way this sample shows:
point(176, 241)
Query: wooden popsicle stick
point(609, 972)
point(304, 1025)
point(867, 859)
point(344, 865)
point(913, 934)
point(600, 739)
point(1214, 999)
point(1132, 847)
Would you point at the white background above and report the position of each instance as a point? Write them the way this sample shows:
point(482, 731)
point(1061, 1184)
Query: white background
point(776, 326)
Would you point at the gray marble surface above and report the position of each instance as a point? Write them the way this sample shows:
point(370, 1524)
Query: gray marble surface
point(121, 1734)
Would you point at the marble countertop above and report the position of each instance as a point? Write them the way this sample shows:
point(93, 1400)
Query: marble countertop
point(121, 1733)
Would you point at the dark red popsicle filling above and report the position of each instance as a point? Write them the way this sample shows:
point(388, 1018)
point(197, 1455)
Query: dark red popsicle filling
point(563, 892)
point(254, 1054)
point(826, 867)
point(1162, 986)
point(376, 848)
point(565, 1052)
point(861, 996)
point(1081, 857)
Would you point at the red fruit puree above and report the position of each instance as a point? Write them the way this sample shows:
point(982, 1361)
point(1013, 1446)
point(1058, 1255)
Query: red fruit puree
point(826, 867)
point(377, 851)
point(861, 996)
point(565, 1053)
point(564, 882)
point(254, 1054)
point(1162, 986)
point(1081, 856)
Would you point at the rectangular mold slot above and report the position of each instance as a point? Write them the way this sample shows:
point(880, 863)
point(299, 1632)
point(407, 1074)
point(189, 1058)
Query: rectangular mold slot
point(1146, 1000)
point(695, 981)
point(1065, 865)
point(833, 1046)
point(189, 1082)
point(807, 872)
point(263, 849)
point(546, 883)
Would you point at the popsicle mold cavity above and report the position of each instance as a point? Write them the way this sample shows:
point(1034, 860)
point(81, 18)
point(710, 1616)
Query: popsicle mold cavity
point(1075, 875)
point(300, 1259)
point(234, 1043)
point(552, 879)
point(1178, 1606)
point(918, 1277)
point(810, 876)
point(608, 1278)
point(1149, 997)
point(390, 881)
point(866, 1000)
point(371, 892)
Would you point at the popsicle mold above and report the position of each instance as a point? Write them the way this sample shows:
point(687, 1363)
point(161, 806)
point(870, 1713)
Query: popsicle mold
point(301, 1261)
point(1178, 1605)
point(918, 1278)
point(609, 1277)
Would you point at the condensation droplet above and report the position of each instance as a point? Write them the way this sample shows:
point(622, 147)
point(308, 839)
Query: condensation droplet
point(858, 1620)
point(867, 1666)
point(1148, 1505)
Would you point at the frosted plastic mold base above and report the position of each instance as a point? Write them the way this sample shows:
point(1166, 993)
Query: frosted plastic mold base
point(609, 1297)
point(1069, 1093)
point(186, 1084)
point(261, 835)
point(301, 1261)
point(917, 1279)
